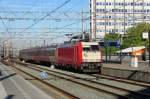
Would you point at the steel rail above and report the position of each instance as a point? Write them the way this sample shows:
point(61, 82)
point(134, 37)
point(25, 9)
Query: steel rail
point(98, 89)
point(134, 82)
point(69, 95)
point(106, 85)
point(31, 66)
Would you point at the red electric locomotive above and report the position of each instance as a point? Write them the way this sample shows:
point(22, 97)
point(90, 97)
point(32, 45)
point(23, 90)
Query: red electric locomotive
point(84, 56)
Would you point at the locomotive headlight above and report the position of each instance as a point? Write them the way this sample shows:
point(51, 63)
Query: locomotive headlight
point(97, 60)
point(85, 55)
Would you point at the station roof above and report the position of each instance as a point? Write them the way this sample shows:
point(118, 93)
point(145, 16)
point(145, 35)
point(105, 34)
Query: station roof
point(132, 49)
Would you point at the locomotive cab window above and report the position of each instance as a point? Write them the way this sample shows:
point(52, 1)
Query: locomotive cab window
point(94, 47)
point(86, 49)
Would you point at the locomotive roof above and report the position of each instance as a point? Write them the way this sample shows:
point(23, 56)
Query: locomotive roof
point(90, 43)
point(69, 44)
point(40, 48)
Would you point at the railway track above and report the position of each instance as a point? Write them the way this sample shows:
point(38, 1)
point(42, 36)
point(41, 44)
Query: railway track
point(93, 84)
point(121, 80)
point(66, 94)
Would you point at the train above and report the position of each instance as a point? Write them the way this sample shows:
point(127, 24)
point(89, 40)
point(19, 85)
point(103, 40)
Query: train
point(82, 56)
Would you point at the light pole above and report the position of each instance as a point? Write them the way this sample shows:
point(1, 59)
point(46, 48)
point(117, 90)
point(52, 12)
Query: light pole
point(149, 44)
point(120, 49)
point(5, 49)
point(146, 35)
point(106, 47)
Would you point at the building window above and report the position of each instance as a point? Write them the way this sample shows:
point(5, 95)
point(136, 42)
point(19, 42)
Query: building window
point(148, 10)
point(141, 4)
point(97, 10)
point(109, 17)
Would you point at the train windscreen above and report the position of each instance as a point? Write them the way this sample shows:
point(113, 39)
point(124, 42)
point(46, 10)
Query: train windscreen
point(94, 48)
point(86, 49)
point(91, 48)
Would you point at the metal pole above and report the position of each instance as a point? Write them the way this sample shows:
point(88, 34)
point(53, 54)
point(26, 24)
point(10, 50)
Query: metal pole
point(93, 19)
point(133, 13)
point(83, 35)
point(44, 43)
point(124, 17)
point(143, 11)
point(106, 60)
point(95, 27)
point(105, 17)
point(109, 53)
point(149, 44)
point(115, 19)
point(120, 49)
point(3, 50)
point(30, 43)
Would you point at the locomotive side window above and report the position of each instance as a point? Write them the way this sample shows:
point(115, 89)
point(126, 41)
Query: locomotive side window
point(94, 47)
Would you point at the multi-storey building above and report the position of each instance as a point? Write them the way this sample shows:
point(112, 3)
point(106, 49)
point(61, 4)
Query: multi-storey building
point(116, 16)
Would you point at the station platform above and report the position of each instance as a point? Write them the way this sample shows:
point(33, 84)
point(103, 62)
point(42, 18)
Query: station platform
point(13, 86)
point(125, 70)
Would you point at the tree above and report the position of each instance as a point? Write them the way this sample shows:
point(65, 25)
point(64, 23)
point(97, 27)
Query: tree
point(133, 37)
point(111, 37)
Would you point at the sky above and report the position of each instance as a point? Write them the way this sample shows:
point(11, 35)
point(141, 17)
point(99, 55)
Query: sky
point(29, 22)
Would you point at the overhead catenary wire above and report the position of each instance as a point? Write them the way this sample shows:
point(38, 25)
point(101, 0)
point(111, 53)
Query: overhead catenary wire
point(4, 24)
point(57, 28)
point(3, 21)
point(67, 26)
point(37, 21)
point(47, 15)
point(34, 3)
point(42, 18)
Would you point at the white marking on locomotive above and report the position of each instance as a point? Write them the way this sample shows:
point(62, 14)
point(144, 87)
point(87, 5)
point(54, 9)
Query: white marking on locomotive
point(91, 52)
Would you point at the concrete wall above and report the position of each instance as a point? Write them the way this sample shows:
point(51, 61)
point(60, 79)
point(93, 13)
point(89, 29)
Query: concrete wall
point(128, 74)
